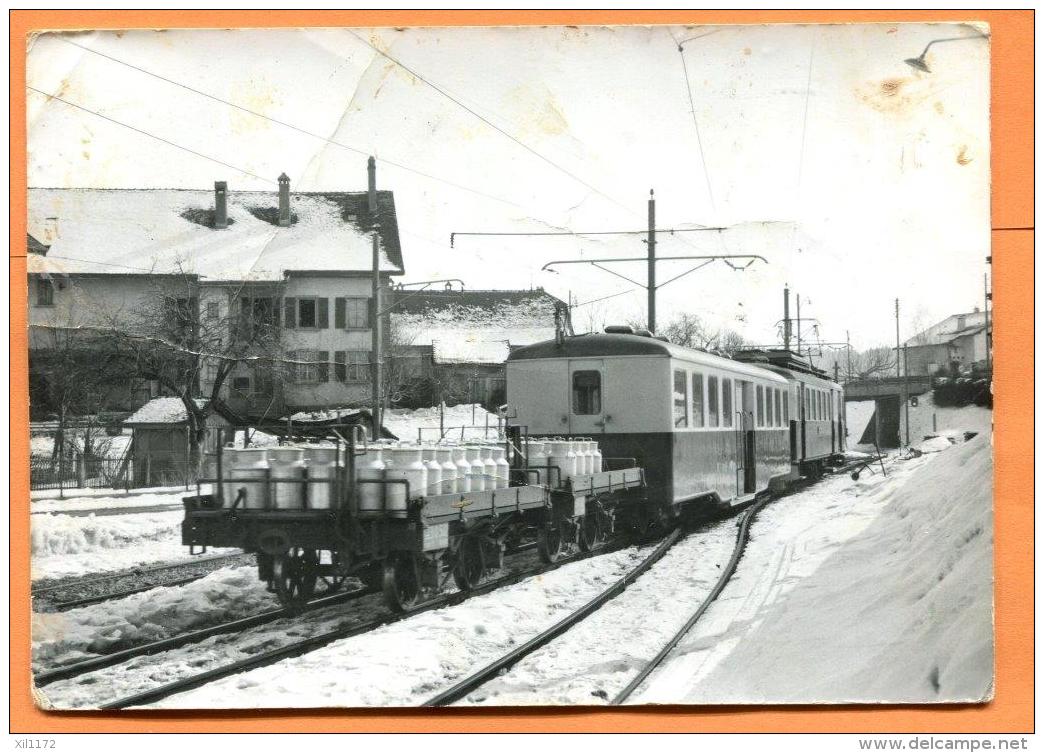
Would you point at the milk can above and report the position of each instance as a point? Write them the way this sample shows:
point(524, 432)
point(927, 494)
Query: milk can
point(536, 458)
point(407, 464)
point(596, 458)
point(287, 463)
point(444, 455)
point(371, 467)
point(322, 466)
point(433, 484)
point(583, 457)
point(561, 454)
point(503, 469)
point(460, 459)
point(477, 473)
point(249, 471)
point(492, 482)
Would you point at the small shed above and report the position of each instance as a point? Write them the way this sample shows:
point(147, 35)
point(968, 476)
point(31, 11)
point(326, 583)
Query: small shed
point(159, 450)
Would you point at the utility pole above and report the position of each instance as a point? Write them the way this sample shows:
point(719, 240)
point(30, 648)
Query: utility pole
point(375, 325)
point(786, 317)
point(848, 351)
point(903, 394)
point(898, 363)
point(651, 243)
point(906, 391)
point(798, 351)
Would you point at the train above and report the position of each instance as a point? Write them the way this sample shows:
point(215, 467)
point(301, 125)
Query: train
point(602, 434)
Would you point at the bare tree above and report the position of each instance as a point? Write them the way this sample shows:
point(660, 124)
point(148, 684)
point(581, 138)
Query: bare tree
point(190, 338)
point(873, 363)
point(690, 331)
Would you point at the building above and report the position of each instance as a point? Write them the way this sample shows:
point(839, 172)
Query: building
point(957, 343)
point(277, 284)
point(455, 342)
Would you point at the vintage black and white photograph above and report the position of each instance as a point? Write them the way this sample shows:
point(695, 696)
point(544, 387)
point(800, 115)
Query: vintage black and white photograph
point(510, 366)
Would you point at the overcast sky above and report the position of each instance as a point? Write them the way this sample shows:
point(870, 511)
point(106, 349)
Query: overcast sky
point(859, 178)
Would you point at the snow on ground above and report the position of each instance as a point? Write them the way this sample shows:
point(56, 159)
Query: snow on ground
point(404, 663)
point(405, 423)
point(98, 502)
point(593, 661)
point(226, 594)
point(107, 491)
point(67, 546)
point(873, 591)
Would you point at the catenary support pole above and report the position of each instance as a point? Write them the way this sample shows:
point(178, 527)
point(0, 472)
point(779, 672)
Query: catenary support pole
point(651, 243)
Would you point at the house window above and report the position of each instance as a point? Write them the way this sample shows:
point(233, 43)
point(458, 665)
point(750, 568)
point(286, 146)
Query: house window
point(306, 313)
point(681, 398)
point(760, 391)
point(241, 384)
point(697, 399)
point(306, 366)
point(352, 313)
point(726, 402)
point(352, 366)
point(212, 310)
point(712, 401)
point(211, 373)
point(587, 393)
point(44, 292)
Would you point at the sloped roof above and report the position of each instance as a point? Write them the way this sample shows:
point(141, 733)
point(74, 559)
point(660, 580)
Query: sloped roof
point(161, 410)
point(475, 326)
point(34, 246)
point(122, 231)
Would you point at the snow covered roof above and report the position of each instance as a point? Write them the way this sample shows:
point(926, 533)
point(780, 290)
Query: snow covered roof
point(475, 326)
point(161, 410)
point(121, 232)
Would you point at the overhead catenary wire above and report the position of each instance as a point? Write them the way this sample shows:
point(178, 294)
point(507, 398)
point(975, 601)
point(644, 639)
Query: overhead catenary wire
point(168, 142)
point(291, 126)
point(695, 120)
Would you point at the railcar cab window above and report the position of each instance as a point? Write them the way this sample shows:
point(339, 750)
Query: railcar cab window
point(587, 393)
point(761, 405)
point(681, 399)
point(697, 400)
point(726, 402)
point(712, 401)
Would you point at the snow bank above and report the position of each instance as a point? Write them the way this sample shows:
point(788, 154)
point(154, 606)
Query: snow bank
point(902, 613)
point(68, 546)
point(471, 419)
point(226, 594)
point(72, 504)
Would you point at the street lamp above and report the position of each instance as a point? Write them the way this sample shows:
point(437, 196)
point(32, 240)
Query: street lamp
point(918, 62)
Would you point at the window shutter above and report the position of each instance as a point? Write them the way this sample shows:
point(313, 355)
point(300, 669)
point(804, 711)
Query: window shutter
point(339, 313)
point(340, 367)
point(291, 312)
point(323, 314)
point(324, 365)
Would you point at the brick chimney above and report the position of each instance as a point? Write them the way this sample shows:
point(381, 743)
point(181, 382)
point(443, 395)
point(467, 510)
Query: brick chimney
point(220, 205)
point(284, 201)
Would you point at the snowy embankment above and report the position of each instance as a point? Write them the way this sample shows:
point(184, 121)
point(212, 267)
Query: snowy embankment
point(107, 492)
point(469, 421)
point(407, 662)
point(69, 546)
point(107, 502)
point(873, 591)
point(227, 594)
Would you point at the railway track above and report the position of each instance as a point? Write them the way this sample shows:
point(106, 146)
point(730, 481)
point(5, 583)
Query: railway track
point(315, 642)
point(74, 669)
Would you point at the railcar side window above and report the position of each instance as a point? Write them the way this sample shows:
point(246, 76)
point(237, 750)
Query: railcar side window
point(712, 401)
point(681, 399)
point(779, 408)
point(726, 402)
point(697, 399)
point(761, 405)
point(770, 406)
point(587, 393)
point(808, 405)
point(786, 406)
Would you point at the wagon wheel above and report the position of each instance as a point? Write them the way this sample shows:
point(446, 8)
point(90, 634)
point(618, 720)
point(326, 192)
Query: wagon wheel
point(590, 533)
point(400, 582)
point(294, 575)
point(471, 563)
point(549, 541)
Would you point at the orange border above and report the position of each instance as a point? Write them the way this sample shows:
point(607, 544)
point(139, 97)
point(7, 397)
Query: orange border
point(1012, 160)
